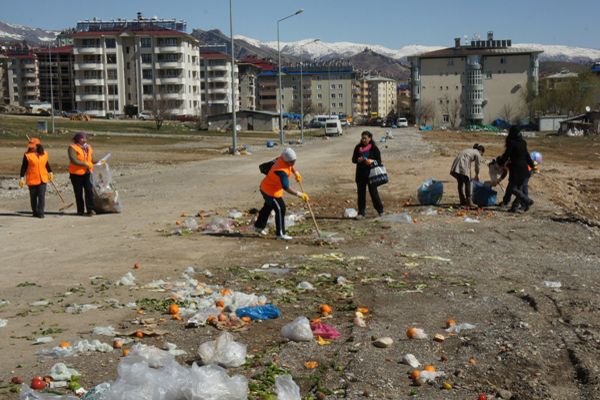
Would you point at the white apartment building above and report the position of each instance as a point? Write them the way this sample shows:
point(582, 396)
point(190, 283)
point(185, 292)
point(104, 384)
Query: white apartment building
point(215, 76)
point(383, 95)
point(130, 66)
point(22, 79)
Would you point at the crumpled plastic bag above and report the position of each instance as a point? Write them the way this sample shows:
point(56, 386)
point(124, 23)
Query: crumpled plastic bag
point(29, 394)
point(286, 388)
point(211, 382)
point(350, 213)
point(298, 330)
point(266, 311)
point(223, 351)
point(126, 280)
point(219, 225)
point(106, 196)
point(460, 327)
point(190, 224)
point(324, 331)
point(104, 331)
point(60, 372)
point(402, 218)
point(430, 376)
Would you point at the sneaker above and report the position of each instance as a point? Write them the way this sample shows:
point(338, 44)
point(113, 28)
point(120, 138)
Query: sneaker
point(527, 206)
point(284, 237)
point(360, 216)
point(261, 232)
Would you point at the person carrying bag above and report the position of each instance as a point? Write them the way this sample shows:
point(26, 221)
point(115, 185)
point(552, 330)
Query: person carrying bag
point(367, 158)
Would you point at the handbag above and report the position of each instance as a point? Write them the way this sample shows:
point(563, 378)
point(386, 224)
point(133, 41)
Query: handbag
point(266, 167)
point(378, 175)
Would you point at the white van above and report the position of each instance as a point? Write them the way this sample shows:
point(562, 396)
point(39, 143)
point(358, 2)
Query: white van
point(333, 127)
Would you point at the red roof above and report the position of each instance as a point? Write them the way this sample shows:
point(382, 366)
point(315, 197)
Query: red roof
point(21, 56)
point(56, 50)
point(260, 63)
point(213, 55)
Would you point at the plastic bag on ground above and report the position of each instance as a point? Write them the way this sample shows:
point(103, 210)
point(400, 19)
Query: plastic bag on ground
point(104, 330)
point(430, 211)
point(430, 192)
point(223, 351)
point(211, 382)
point(484, 195)
point(3, 323)
point(106, 196)
point(298, 330)
point(60, 372)
point(350, 213)
point(552, 284)
point(286, 388)
point(190, 224)
point(126, 280)
point(430, 376)
point(411, 360)
point(219, 225)
point(266, 311)
point(402, 218)
point(29, 394)
point(324, 331)
point(460, 327)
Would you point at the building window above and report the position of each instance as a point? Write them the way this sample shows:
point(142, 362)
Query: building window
point(111, 58)
point(146, 58)
point(446, 118)
point(110, 43)
point(111, 74)
point(319, 96)
point(146, 42)
point(147, 74)
point(318, 87)
point(333, 86)
point(147, 89)
point(129, 81)
point(113, 89)
point(502, 60)
point(340, 86)
point(341, 105)
point(127, 50)
point(450, 61)
point(128, 65)
point(333, 95)
point(488, 74)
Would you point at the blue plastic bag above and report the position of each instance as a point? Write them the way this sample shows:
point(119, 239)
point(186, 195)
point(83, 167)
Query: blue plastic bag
point(430, 192)
point(484, 195)
point(267, 311)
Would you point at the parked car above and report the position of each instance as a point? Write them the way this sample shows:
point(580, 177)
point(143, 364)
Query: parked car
point(344, 122)
point(333, 127)
point(315, 123)
point(72, 113)
point(145, 116)
point(402, 123)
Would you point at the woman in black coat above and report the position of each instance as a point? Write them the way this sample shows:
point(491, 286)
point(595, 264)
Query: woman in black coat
point(517, 155)
point(365, 153)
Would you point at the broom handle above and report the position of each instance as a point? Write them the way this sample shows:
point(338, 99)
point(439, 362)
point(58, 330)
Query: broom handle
point(57, 192)
point(311, 212)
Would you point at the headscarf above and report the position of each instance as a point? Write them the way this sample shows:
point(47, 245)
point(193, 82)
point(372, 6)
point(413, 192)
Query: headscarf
point(32, 144)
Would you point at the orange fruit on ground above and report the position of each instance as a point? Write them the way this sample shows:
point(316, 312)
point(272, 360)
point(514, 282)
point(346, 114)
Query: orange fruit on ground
point(415, 374)
point(173, 309)
point(210, 318)
point(141, 312)
point(117, 344)
point(177, 222)
point(363, 310)
point(125, 352)
point(139, 334)
point(222, 317)
point(246, 319)
point(220, 303)
point(64, 345)
point(450, 323)
point(311, 364)
point(176, 317)
point(225, 292)
point(429, 368)
point(137, 265)
point(325, 309)
point(411, 332)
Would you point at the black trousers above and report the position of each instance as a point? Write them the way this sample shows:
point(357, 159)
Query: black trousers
point(517, 187)
point(361, 188)
point(37, 195)
point(464, 183)
point(82, 184)
point(272, 203)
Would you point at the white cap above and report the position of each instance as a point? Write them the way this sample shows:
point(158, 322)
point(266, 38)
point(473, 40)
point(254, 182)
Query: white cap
point(288, 155)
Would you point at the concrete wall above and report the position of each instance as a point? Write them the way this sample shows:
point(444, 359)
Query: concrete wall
point(506, 87)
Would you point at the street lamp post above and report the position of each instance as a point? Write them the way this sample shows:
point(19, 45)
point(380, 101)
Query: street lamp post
point(51, 88)
point(233, 86)
point(302, 96)
point(279, 101)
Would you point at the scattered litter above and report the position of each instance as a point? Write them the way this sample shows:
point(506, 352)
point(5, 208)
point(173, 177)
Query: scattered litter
point(402, 218)
point(305, 286)
point(429, 211)
point(104, 331)
point(262, 312)
point(81, 308)
point(4, 303)
point(383, 342)
point(340, 280)
point(81, 347)
point(223, 351)
point(416, 333)
point(219, 225)
point(171, 348)
point(460, 327)
point(60, 372)
point(350, 213)
point(439, 338)
point(43, 340)
point(190, 270)
point(430, 192)
point(235, 214)
point(190, 224)
point(324, 331)
point(359, 320)
point(470, 220)
point(298, 330)
point(272, 269)
point(411, 360)
point(415, 255)
point(328, 257)
point(430, 376)
point(211, 382)
point(126, 280)
point(157, 285)
point(3, 323)
point(286, 388)
point(39, 303)
point(27, 393)
point(311, 364)
point(552, 284)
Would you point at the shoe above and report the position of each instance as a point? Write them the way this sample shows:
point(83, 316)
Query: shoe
point(360, 216)
point(515, 210)
point(503, 206)
point(284, 237)
point(40, 216)
point(89, 214)
point(527, 206)
point(261, 232)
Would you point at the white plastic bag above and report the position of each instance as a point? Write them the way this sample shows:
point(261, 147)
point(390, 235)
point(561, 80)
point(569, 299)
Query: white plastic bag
point(350, 213)
point(286, 388)
point(460, 327)
point(126, 280)
point(223, 351)
point(60, 372)
point(106, 197)
point(298, 330)
point(29, 394)
point(411, 360)
point(211, 382)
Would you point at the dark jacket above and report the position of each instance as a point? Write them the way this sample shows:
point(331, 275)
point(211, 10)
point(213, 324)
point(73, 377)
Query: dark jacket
point(362, 169)
point(517, 155)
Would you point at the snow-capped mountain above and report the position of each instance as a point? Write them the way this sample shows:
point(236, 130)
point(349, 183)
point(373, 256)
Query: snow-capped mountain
point(14, 32)
point(308, 48)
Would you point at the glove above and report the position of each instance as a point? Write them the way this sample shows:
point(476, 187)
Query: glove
point(303, 196)
point(22, 183)
point(102, 162)
point(90, 165)
point(298, 177)
point(50, 176)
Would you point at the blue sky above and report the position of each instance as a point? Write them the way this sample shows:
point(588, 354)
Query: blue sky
point(392, 23)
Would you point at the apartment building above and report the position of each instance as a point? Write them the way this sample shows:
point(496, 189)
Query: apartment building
point(22, 78)
point(248, 85)
point(473, 83)
point(216, 85)
point(128, 66)
point(4, 99)
point(361, 103)
point(383, 95)
point(57, 76)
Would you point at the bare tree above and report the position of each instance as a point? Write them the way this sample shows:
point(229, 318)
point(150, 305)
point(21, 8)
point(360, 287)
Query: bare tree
point(160, 111)
point(319, 109)
point(507, 113)
point(451, 108)
point(296, 109)
point(425, 111)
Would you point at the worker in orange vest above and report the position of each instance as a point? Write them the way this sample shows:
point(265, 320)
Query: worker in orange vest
point(80, 172)
point(272, 187)
point(36, 171)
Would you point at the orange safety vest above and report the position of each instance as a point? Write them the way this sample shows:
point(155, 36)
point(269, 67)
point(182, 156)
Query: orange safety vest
point(81, 156)
point(271, 184)
point(36, 168)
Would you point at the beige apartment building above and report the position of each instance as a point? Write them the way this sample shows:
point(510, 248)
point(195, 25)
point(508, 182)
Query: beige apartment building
point(4, 80)
point(383, 95)
point(136, 65)
point(216, 86)
point(474, 83)
point(22, 78)
point(361, 104)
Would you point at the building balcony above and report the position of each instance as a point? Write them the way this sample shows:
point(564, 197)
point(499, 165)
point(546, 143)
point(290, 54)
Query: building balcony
point(217, 90)
point(218, 79)
point(168, 49)
point(89, 97)
point(31, 92)
point(216, 68)
point(89, 81)
point(88, 66)
point(169, 64)
point(87, 50)
point(171, 96)
point(169, 80)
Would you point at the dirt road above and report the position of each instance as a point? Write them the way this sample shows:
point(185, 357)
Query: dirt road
point(530, 341)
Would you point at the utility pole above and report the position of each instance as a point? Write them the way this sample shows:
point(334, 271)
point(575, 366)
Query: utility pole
point(51, 89)
point(233, 85)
